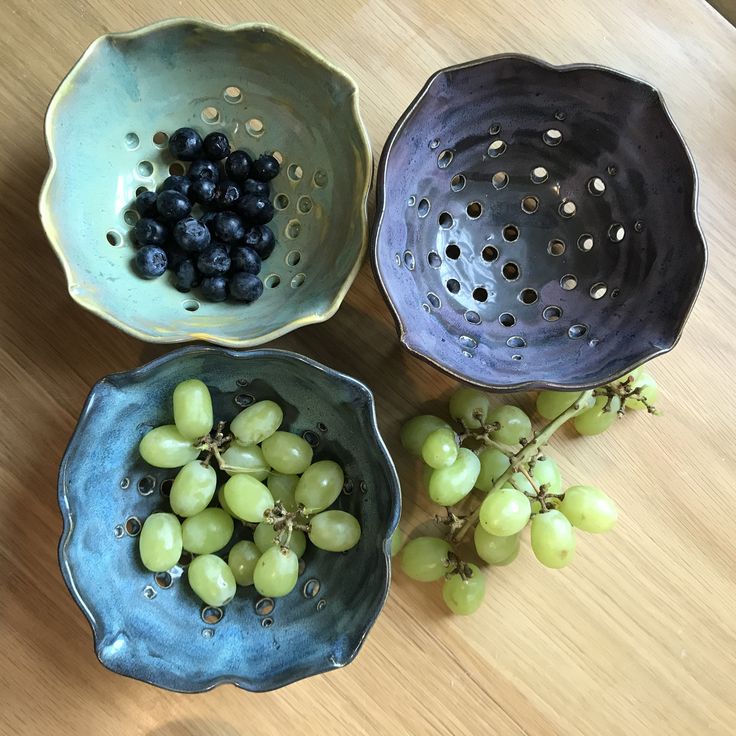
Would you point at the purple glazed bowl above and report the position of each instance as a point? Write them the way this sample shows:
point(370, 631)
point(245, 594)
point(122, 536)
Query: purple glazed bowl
point(537, 225)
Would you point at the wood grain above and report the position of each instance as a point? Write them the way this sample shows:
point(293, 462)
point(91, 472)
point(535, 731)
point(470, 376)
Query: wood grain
point(636, 638)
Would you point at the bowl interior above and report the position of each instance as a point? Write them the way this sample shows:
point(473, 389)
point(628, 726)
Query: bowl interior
point(157, 633)
point(107, 130)
point(537, 224)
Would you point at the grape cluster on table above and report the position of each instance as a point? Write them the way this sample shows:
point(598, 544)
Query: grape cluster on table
point(220, 251)
point(274, 489)
point(497, 454)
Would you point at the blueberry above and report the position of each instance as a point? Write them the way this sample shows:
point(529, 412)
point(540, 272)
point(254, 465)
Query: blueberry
point(202, 191)
point(150, 261)
point(216, 146)
point(238, 165)
point(185, 144)
point(227, 194)
point(256, 210)
point(149, 232)
point(176, 184)
point(245, 287)
point(208, 220)
point(228, 227)
point(253, 186)
point(204, 169)
point(245, 259)
point(261, 239)
point(266, 167)
point(214, 288)
point(172, 205)
point(192, 235)
point(213, 261)
point(186, 276)
point(175, 255)
point(145, 203)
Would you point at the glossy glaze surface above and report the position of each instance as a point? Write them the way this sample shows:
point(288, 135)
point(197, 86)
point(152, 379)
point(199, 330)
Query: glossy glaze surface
point(106, 130)
point(153, 627)
point(537, 224)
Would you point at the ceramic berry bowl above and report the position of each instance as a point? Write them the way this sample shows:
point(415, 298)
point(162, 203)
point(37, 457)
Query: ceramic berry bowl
point(152, 626)
point(107, 128)
point(537, 225)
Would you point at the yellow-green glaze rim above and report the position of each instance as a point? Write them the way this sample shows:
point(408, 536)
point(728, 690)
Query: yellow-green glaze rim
point(164, 337)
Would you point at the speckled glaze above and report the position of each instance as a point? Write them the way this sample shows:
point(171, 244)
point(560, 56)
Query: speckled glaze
point(443, 255)
point(157, 634)
point(100, 129)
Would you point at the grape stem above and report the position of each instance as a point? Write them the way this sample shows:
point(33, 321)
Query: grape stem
point(624, 390)
point(519, 459)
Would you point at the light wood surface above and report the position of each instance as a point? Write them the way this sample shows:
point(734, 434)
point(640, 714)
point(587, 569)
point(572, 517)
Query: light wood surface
point(637, 637)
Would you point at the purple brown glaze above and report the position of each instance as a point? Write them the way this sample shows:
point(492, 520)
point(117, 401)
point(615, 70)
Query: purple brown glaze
point(474, 267)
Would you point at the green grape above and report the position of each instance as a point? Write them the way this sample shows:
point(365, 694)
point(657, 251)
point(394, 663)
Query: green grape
point(398, 539)
point(649, 391)
point(264, 537)
point(469, 406)
point(536, 506)
point(276, 572)
point(164, 447)
point(544, 472)
point(425, 558)
point(515, 425)
point(493, 464)
point(505, 512)
point(282, 489)
point(247, 498)
point(242, 459)
point(589, 509)
point(320, 486)
point(257, 422)
point(495, 550)
point(211, 579)
point(193, 409)
point(550, 404)
point(510, 558)
point(595, 420)
point(160, 542)
point(242, 561)
point(464, 597)
point(223, 501)
point(193, 488)
point(334, 531)
point(416, 430)
point(287, 453)
point(553, 539)
point(207, 531)
point(440, 448)
point(448, 486)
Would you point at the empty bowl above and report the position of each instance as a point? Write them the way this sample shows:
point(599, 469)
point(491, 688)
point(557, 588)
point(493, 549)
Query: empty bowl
point(537, 225)
point(152, 626)
point(107, 129)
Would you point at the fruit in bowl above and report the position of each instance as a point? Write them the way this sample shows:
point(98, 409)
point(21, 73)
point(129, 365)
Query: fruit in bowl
point(181, 624)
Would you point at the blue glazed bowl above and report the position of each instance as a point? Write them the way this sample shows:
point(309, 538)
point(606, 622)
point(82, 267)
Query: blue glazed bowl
point(152, 627)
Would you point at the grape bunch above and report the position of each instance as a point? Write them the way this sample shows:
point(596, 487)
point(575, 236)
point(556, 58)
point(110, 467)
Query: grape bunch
point(497, 457)
point(273, 488)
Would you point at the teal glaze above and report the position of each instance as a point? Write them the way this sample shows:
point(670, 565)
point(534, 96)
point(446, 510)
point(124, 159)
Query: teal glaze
point(100, 128)
point(157, 634)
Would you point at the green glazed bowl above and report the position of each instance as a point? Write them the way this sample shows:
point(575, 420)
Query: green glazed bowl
point(106, 132)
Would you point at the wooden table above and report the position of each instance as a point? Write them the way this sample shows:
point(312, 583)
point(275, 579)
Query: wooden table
point(637, 637)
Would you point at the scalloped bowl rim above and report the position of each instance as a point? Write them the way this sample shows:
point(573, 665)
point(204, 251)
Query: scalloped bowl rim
point(45, 209)
point(405, 332)
point(142, 372)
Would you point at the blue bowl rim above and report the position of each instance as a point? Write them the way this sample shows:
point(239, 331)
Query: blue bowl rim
point(402, 328)
point(68, 525)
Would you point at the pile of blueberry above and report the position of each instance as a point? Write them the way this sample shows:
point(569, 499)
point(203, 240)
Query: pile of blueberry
point(221, 251)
